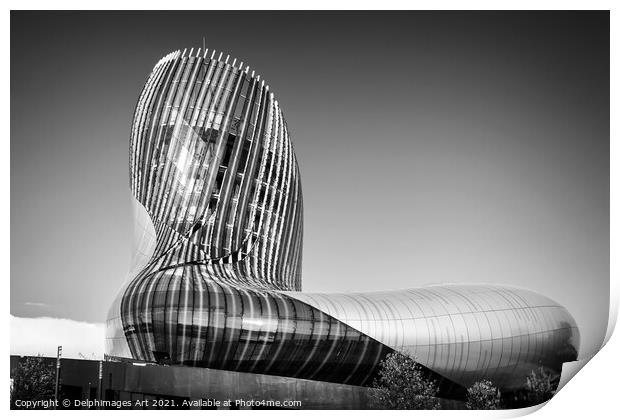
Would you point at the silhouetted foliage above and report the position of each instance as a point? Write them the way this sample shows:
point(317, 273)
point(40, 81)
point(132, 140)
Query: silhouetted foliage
point(402, 385)
point(34, 379)
point(541, 386)
point(483, 395)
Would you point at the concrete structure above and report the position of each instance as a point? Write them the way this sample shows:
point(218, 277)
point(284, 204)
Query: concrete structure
point(196, 388)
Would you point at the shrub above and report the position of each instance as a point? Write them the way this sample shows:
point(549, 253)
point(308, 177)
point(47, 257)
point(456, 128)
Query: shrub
point(482, 395)
point(541, 386)
point(401, 384)
point(34, 379)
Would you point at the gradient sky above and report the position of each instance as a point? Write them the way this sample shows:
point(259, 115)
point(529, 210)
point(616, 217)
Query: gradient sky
point(434, 147)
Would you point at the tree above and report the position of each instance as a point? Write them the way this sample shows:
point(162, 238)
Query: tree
point(401, 384)
point(34, 379)
point(482, 395)
point(541, 385)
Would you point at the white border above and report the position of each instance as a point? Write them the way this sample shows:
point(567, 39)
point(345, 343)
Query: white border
point(592, 394)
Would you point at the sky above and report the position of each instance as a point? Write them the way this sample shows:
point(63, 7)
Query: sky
point(434, 147)
point(43, 335)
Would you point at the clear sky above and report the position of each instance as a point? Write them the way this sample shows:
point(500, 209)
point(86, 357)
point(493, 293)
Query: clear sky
point(434, 147)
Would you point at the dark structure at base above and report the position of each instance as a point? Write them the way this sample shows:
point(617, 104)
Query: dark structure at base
point(197, 388)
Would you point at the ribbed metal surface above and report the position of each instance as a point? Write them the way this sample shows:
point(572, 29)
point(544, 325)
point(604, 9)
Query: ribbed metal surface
point(212, 163)
point(462, 332)
point(217, 267)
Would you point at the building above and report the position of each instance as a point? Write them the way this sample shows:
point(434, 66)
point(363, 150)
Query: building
point(216, 281)
point(91, 384)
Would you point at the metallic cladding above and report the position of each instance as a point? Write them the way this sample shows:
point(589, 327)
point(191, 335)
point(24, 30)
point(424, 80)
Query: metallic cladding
point(216, 280)
point(462, 332)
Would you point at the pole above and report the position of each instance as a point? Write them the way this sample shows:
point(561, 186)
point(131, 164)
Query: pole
point(100, 382)
point(58, 354)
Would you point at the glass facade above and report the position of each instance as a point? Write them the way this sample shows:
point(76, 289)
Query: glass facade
point(216, 278)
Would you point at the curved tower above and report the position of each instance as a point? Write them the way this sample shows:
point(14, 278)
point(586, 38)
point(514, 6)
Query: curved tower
point(216, 278)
